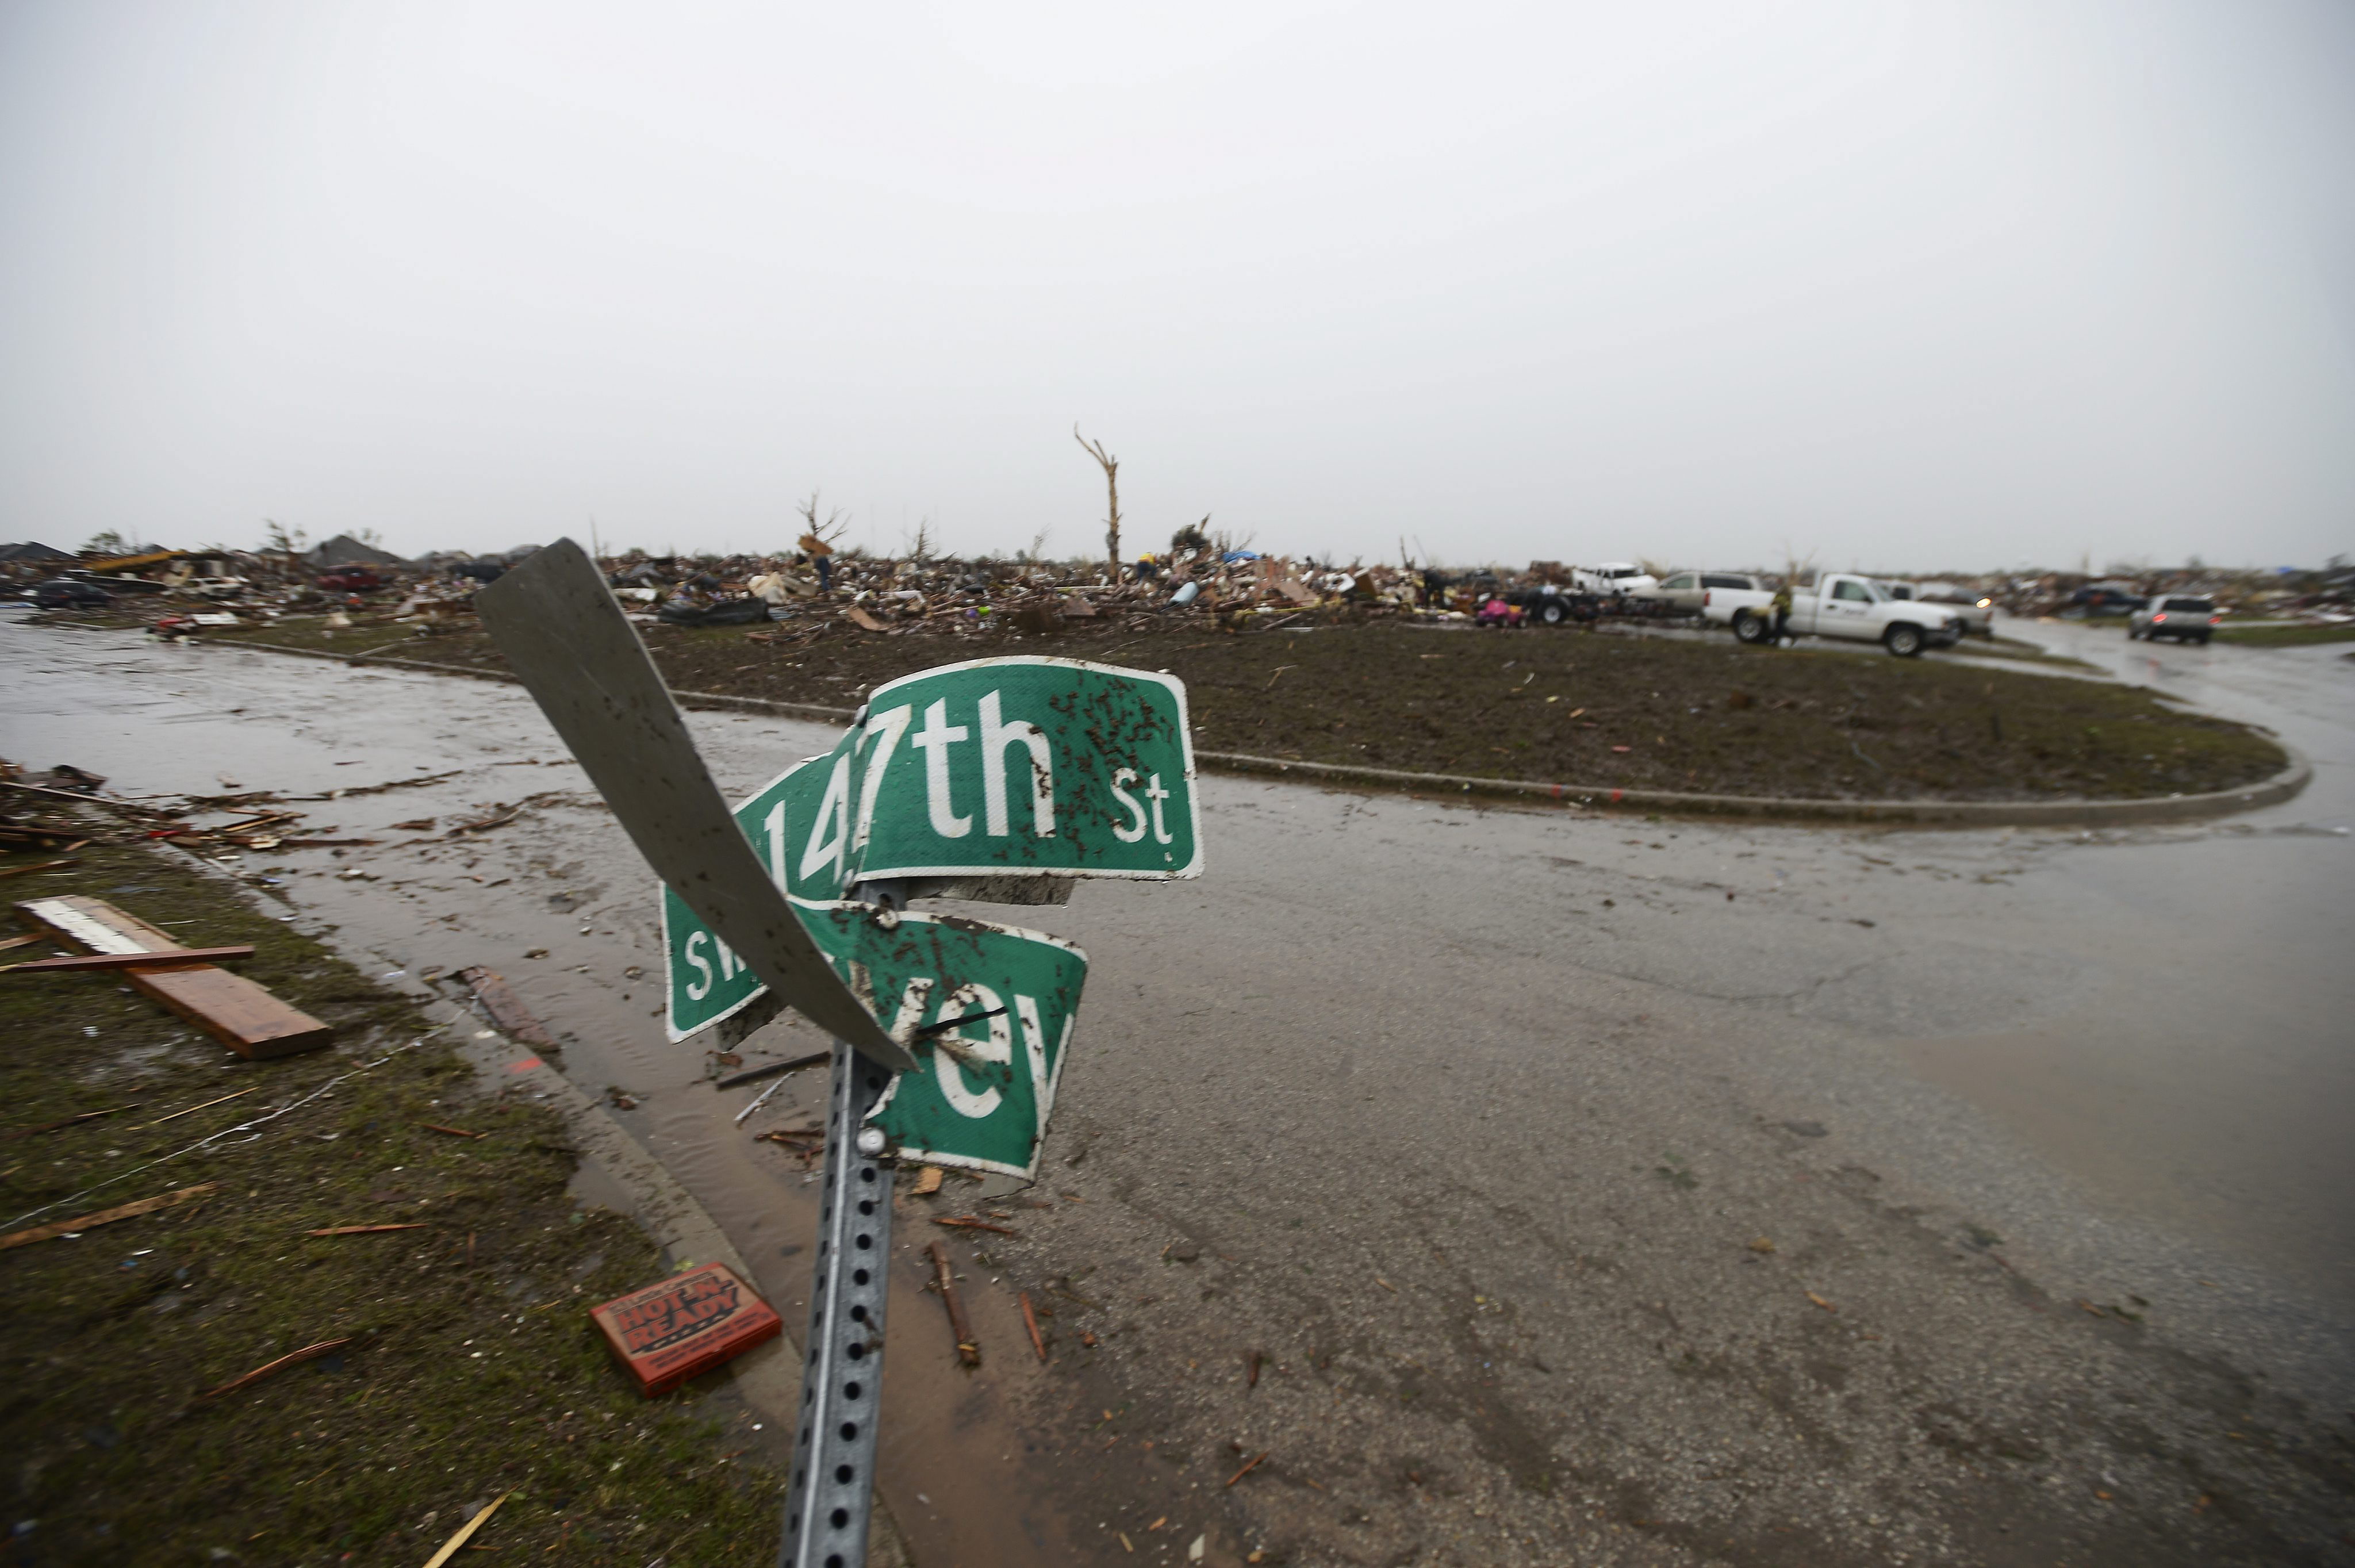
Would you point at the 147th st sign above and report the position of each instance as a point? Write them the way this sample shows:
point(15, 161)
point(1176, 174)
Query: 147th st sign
point(999, 767)
point(1019, 767)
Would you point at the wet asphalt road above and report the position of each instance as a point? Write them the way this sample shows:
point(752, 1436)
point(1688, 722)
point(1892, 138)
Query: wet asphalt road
point(1593, 1190)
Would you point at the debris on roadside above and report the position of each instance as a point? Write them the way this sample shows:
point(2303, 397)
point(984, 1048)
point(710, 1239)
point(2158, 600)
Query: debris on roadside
point(103, 1217)
point(467, 1533)
point(684, 1326)
point(307, 1353)
point(234, 1010)
point(506, 1010)
point(968, 1349)
point(1030, 1321)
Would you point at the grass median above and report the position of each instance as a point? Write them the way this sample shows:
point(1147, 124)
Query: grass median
point(468, 1367)
point(1554, 706)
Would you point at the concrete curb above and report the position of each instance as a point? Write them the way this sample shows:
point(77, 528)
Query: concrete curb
point(1943, 813)
point(2282, 786)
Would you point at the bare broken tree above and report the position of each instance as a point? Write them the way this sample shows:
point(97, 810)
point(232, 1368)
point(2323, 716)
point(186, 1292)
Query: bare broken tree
point(1111, 490)
point(824, 533)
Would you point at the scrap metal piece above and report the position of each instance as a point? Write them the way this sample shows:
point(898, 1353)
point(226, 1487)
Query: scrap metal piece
point(569, 642)
point(830, 1497)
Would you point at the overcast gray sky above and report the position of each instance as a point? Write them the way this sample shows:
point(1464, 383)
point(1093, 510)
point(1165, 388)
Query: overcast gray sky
point(1904, 286)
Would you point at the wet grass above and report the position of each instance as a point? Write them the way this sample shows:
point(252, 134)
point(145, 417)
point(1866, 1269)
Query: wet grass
point(472, 1368)
point(1577, 708)
point(2284, 636)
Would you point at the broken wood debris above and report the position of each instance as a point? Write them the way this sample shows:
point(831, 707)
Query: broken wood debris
point(968, 1348)
point(44, 866)
point(175, 958)
point(364, 1229)
point(454, 1132)
point(467, 1533)
point(73, 1121)
point(231, 1008)
point(1249, 1467)
point(307, 1353)
point(1030, 1321)
point(961, 1223)
point(754, 1074)
point(206, 1105)
point(104, 1216)
point(506, 1008)
point(928, 1181)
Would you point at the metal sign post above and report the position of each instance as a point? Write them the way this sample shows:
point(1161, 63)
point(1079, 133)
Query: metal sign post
point(1002, 777)
point(833, 1486)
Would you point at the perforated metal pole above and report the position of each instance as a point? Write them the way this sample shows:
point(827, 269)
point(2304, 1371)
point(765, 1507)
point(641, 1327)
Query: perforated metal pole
point(831, 1495)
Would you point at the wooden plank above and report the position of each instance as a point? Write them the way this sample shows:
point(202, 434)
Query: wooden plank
point(178, 959)
point(104, 1216)
point(231, 1008)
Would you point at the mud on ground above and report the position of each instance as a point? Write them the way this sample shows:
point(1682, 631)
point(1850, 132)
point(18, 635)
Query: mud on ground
point(472, 1368)
point(1553, 706)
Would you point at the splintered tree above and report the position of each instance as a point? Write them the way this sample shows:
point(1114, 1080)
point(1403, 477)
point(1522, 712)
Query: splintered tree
point(819, 539)
point(1111, 491)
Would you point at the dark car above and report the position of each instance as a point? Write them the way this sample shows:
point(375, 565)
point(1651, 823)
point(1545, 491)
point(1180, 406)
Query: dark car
point(351, 579)
point(63, 593)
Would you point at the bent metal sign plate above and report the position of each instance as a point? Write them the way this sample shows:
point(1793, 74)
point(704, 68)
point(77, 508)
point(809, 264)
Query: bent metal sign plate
point(980, 1096)
point(1015, 766)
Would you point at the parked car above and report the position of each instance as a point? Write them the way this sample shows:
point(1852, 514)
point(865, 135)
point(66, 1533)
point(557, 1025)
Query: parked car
point(2105, 599)
point(1550, 605)
point(65, 592)
point(1977, 615)
point(2177, 615)
point(1684, 591)
point(1841, 606)
point(350, 580)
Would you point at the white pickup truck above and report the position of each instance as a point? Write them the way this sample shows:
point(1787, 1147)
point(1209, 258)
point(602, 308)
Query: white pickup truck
point(1838, 605)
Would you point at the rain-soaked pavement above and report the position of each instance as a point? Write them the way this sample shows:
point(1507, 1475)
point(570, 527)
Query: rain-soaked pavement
point(1595, 1190)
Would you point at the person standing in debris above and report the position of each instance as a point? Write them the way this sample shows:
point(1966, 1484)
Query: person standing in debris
point(826, 574)
point(1780, 605)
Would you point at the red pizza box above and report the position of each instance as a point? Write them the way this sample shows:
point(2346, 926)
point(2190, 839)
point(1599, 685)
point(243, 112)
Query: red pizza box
point(685, 1325)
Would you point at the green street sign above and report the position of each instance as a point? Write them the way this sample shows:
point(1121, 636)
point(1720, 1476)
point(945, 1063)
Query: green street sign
point(981, 1092)
point(997, 767)
point(707, 981)
point(1015, 766)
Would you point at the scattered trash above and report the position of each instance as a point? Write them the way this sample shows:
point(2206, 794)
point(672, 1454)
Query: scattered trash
point(968, 1348)
point(104, 1216)
point(178, 959)
point(64, 1122)
point(961, 1223)
point(685, 1325)
point(1030, 1321)
point(465, 1532)
point(36, 870)
point(308, 1352)
point(506, 1008)
point(754, 1075)
point(1761, 1245)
